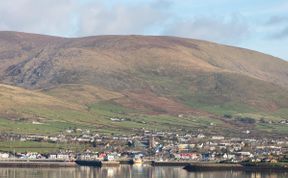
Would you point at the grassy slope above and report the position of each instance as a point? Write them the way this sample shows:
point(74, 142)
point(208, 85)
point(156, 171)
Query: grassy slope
point(40, 147)
point(96, 117)
point(58, 114)
point(222, 93)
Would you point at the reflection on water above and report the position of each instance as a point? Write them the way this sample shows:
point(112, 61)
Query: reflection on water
point(137, 171)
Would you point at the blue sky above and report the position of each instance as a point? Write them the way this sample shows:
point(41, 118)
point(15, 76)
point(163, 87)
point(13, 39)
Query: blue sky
point(260, 25)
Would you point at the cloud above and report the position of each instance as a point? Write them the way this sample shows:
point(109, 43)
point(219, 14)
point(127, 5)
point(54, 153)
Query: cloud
point(163, 3)
point(45, 16)
point(75, 18)
point(120, 19)
point(276, 20)
point(231, 30)
point(280, 35)
point(279, 26)
point(71, 18)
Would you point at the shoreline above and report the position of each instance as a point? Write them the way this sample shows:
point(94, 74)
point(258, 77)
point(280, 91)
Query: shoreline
point(186, 165)
point(255, 167)
point(34, 164)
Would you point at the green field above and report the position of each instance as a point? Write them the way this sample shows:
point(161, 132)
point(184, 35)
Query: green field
point(40, 147)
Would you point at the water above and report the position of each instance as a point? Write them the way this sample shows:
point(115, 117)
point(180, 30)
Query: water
point(127, 172)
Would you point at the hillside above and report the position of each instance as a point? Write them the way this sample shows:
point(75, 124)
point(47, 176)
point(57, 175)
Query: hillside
point(145, 79)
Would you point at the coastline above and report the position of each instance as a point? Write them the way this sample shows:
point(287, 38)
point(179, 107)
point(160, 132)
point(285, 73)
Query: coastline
point(214, 167)
point(188, 166)
point(252, 167)
point(36, 163)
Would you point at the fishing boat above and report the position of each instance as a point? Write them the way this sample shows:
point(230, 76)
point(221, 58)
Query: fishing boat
point(94, 163)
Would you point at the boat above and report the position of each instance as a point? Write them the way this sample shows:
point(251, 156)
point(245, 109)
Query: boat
point(93, 163)
point(97, 163)
point(262, 166)
point(193, 167)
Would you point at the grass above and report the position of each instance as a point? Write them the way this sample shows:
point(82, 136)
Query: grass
point(49, 127)
point(97, 118)
point(82, 94)
point(201, 92)
point(273, 128)
point(282, 113)
point(225, 108)
point(108, 108)
point(40, 147)
point(96, 115)
point(158, 122)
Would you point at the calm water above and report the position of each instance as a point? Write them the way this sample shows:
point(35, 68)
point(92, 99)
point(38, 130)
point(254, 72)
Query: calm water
point(127, 172)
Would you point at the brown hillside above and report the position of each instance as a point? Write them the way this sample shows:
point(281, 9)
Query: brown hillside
point(175, 73)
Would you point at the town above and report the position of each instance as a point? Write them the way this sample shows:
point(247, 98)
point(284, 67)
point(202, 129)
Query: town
point(153, 146)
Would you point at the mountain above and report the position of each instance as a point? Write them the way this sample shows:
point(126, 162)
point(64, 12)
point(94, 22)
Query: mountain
point(164, 81)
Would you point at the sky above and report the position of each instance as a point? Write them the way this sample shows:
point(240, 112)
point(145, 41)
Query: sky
point(260, 25)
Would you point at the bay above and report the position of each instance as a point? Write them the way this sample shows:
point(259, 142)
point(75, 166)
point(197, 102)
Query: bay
point(126, 171)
